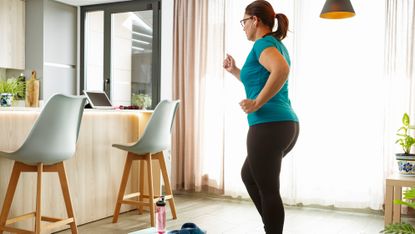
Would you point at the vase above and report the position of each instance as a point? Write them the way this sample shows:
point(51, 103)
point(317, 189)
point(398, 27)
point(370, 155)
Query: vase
point(32, 91)
point(406, 164)
point(6, 99)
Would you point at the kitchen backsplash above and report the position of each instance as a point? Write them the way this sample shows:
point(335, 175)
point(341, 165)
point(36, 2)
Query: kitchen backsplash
point(8, 73)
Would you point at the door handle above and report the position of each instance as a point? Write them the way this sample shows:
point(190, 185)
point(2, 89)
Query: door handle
point(107, 85)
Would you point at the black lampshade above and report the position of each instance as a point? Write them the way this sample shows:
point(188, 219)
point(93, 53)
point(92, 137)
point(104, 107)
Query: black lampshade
point(337, 9)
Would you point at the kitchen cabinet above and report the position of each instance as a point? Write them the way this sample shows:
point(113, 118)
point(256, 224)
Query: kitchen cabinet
point(12, 34)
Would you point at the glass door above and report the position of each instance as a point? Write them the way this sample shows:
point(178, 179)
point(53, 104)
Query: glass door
point(120, 52)
point(131, 58)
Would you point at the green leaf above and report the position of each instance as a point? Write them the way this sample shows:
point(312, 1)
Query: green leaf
point(405, 140)
point(409, 194)
point(405, 119)
point(399, 228)
point(400, 202)
point(13, 86)
point(401, 128)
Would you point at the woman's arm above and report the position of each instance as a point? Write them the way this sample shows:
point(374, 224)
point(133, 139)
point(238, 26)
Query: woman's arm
point(275, 63)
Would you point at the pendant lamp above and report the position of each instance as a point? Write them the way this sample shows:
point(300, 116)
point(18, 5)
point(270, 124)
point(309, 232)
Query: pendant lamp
point(337, 9)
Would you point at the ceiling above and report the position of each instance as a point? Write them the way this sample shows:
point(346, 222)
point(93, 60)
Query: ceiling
point(87, 2)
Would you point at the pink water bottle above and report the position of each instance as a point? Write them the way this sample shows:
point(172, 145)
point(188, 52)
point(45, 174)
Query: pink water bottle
point(161, 215)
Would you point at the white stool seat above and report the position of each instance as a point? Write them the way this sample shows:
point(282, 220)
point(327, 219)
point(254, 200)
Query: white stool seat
point(155, 139)
point(51, 141)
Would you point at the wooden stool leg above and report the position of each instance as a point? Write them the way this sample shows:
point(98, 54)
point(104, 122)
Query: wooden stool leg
point(66, 195)
point(166, 180)
point(141, 187)
point(150, 189)
point(396, 217)
point(11, 189)
point(38, 215)
point(123, 185)
point(388, 203)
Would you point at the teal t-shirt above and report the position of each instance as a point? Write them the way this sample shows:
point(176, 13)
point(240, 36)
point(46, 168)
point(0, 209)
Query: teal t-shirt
point(254, 76)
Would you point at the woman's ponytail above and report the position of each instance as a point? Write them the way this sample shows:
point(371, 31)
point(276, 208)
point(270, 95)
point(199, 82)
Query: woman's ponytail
point(263, 10)
point(282, 29)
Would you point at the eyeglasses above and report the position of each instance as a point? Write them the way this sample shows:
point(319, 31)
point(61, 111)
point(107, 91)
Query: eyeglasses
point(243, 21)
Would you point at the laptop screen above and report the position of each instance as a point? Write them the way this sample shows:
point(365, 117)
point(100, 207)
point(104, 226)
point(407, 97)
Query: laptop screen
point(98, 99)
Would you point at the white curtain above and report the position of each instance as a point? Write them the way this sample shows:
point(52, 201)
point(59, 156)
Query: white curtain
point(399, 72)
point(337, 89)
point(213, 124)
point(350, 82)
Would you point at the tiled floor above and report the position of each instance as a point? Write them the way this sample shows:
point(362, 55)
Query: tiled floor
point(229, 216)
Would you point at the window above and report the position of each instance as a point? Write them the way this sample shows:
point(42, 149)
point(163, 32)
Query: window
point(120, 51)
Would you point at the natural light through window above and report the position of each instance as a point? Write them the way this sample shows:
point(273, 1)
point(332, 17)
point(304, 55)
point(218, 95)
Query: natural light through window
point(336, 88)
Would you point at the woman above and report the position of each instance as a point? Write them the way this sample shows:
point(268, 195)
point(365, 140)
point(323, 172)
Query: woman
point(273, 125)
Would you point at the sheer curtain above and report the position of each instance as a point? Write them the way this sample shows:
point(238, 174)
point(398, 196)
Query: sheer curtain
point(337, 89)
point(399, 72)
point(349, 109)
point(338, 95)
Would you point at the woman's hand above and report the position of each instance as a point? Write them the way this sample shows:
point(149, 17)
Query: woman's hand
point(249, 106)
point(229, 64)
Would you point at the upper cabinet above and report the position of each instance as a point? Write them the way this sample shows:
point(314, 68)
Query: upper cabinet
point(12, 34)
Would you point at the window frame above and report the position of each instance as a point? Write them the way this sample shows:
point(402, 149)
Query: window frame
point(118, 7)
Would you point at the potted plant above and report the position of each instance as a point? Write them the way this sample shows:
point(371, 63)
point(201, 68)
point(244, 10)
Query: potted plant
point(9, 90)
point(143, 101)
point(402, 228)
point(406, 160)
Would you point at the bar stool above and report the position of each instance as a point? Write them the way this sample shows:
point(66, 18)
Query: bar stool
point(51, 141)
point(155, 139)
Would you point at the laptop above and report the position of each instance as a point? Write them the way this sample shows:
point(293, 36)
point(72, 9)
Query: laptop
point(98, 100)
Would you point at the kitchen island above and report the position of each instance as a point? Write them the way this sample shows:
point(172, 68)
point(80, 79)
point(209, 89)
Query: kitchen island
point(94, 173)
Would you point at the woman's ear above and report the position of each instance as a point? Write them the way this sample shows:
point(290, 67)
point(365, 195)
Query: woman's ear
point(256, 20)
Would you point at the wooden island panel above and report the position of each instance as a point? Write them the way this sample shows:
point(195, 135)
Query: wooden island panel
point(94, 173)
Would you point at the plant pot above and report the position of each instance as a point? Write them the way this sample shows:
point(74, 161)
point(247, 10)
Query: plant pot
point(406, 164)
point(6, 99)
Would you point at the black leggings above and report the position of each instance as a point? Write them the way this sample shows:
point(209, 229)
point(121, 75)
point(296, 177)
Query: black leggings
point(267, 144)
